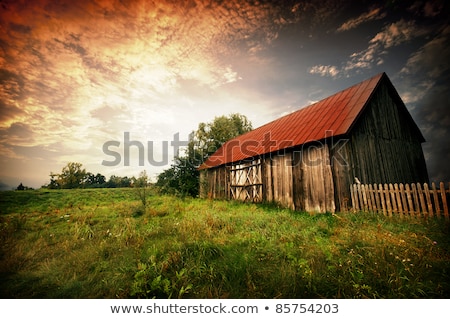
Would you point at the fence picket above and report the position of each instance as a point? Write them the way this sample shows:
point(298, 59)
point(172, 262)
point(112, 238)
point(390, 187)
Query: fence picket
point(436, 200)
point(377, 197)
point(399, 200)
point(444, 200)
point(373, 207)
point(383, 203)
point(364, 199)
point(428, 198)
point(360, 195)
point(421, 198)
point(410, 201)
point(403, 196)
point(388, 200)
point(352, 196)
point(393, 202)
point(414, 199)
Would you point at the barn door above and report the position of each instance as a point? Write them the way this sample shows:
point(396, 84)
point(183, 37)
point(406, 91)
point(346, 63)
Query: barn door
point(245, 181)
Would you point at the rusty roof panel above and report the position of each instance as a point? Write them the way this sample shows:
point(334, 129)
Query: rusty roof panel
point(329, 117)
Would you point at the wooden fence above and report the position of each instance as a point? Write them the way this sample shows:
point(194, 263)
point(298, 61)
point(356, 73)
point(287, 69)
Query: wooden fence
point(417, 200)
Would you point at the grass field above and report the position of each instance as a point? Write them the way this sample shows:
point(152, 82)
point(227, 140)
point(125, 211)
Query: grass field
point(101, 243)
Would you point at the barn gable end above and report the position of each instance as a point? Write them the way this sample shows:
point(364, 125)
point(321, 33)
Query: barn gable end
point(307, 160)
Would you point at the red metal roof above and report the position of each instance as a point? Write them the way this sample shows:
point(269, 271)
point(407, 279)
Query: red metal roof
point(331, 116)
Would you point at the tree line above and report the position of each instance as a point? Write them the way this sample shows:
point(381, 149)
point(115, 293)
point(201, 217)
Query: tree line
point(73, 175)
point(182, 178)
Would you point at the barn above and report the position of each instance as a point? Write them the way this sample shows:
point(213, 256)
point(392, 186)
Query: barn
point(308, 160)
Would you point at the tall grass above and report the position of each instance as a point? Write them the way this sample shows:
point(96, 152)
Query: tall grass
point(93, 244)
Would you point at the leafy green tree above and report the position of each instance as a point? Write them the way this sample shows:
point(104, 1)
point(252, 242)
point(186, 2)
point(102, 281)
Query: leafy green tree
point(141, 185)
point(183, 177)
point(72, 176)
point(210, 136)
point(97, 180)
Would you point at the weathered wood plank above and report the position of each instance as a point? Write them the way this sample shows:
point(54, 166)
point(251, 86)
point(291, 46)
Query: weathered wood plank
point(382, 199)
point(393, 198)
point(353, 197)
point(423, 207)
point(437, 207)
point(372, 206)
point(410, 200)
point(428, 199)
point(416, 200)
point(360, 197)
point(398, 199)
point(377, 197)
point(404, 202)
point(363, 190)
point(388, 200)
point(444, 199)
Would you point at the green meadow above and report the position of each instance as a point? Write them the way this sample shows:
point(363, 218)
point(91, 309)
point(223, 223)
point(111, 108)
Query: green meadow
point(102, 243)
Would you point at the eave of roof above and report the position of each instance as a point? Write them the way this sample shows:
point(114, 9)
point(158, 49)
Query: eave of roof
point(332, 116)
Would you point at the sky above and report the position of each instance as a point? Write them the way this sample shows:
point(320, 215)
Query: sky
point(81, 80)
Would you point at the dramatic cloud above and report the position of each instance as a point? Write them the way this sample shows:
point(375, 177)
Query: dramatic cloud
point(324, 70)
point(374, 14)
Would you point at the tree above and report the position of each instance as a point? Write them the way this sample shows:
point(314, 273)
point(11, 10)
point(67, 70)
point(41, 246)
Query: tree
point(183, 177)
point(140, 185)
point(210, 136)
point(72, 176)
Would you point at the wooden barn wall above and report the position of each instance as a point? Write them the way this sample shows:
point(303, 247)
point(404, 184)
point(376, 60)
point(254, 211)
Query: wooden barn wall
point(313, 186)
point(277, 179)
point(384, 147)
point(214, 183)
point(299, 179)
